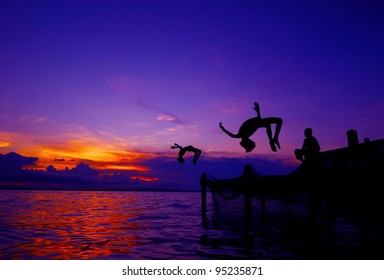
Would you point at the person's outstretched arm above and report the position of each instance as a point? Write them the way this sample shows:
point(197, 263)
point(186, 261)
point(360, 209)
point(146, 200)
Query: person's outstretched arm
point(176, 146)
point(256, 107)
point(227, 132)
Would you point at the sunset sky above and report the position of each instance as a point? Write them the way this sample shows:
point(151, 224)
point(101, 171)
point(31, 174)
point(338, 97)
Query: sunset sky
point(115, 83)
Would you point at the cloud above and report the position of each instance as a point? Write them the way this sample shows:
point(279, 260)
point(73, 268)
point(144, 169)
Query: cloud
point(161, 172)
point(166, 118)
point(77, 144)
point(4, 144)
point(169, 117)
point(137, 90)
point(32, 119)
point(13, 163)
point(229, 110)
point(82, 145)
point(186, 176)
point(162, 116)
point(82, 177)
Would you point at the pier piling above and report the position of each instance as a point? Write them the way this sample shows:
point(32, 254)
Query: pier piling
point(203, 195)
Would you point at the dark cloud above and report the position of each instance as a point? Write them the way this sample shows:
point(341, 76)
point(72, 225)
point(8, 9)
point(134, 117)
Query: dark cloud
point(186, 175)
point(170, 174)
point(81, 177)
point(13, 163)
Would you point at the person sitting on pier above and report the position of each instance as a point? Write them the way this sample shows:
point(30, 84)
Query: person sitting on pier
point(183, 150)
point(310, 150)
point(249, 127)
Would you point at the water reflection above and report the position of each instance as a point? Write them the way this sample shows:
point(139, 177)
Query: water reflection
point(160, 225)
point(71, 225)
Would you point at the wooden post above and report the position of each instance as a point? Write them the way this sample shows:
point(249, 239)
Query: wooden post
point(247, 205)
point(203, 195)
point(247, 174)
point(353, 139)
point(263, 206)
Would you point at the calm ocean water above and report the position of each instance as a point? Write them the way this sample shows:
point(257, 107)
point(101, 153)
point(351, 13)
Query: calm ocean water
point(154, 225)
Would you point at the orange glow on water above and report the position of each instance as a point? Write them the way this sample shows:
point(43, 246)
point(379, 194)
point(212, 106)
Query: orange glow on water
point(81, 225)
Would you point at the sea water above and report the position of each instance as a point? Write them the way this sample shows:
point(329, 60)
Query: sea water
point(107, 225)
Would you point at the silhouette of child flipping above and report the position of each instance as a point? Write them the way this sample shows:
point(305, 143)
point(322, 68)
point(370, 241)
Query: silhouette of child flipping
point(183, 150)
point(249, 127)
point(310, 150)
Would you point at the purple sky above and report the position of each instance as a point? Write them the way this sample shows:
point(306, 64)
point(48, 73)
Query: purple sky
point(116, 83)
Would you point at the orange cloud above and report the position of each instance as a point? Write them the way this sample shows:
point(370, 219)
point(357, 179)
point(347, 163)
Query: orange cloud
point(142, 178)
point(126, 167)
point(103, 156)
point(100, 151)
point(4, 144)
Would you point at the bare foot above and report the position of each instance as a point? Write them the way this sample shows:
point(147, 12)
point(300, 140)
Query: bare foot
point(273, 147)
point(276, 142)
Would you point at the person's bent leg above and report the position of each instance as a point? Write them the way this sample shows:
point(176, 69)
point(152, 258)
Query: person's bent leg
point(299, 155)
point(271, 141)
point(279, 123)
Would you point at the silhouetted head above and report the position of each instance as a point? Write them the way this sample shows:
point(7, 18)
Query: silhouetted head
point(247, 144)
point(308, 132)
point(180, 159)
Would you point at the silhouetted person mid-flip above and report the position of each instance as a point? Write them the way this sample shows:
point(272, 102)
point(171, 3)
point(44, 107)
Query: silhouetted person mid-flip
point(310, 150)
point(249, 127)
point(183, 150)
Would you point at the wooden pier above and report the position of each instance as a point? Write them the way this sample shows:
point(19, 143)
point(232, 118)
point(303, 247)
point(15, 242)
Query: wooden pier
point(345, 185)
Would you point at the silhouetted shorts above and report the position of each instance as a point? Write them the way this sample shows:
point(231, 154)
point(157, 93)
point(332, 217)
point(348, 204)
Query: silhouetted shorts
point(299, 154)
